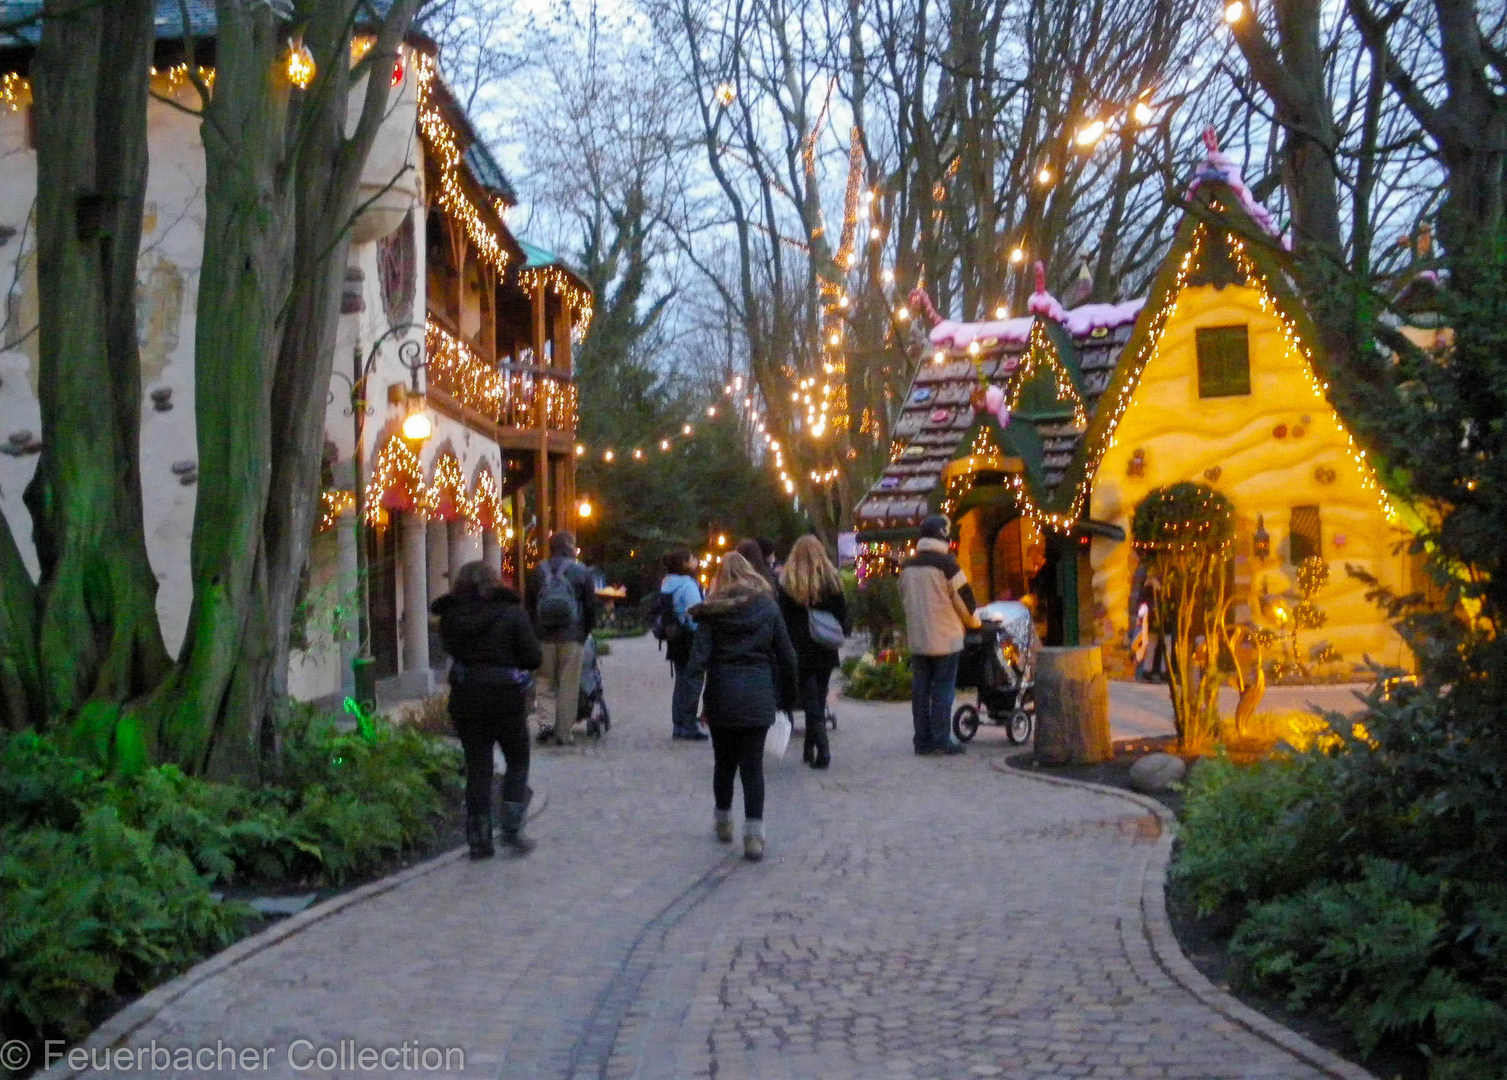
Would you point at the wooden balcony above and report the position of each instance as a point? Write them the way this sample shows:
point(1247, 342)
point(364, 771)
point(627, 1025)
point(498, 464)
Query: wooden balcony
point(518, 406)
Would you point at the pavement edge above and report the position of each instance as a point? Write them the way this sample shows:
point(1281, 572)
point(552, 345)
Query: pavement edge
point(1169, 954)
point(125, 1023)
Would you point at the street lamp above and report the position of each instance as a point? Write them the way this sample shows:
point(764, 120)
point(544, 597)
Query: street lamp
point(416, 428)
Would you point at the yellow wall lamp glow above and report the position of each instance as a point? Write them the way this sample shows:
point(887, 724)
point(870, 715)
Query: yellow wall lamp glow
point(584, 509)
point(416, 425)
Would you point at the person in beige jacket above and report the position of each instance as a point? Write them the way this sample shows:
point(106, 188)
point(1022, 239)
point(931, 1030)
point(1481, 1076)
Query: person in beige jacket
point(939, 610)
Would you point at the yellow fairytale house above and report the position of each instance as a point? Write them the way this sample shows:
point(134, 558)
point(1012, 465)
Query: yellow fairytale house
point(1040, 436)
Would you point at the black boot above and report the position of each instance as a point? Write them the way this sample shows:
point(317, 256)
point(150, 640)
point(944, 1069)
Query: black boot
point(479, 835)
point(821, 753)
point(510, 823)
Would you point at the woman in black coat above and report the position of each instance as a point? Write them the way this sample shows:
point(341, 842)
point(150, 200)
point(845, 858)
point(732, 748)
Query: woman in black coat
point(743, 650)
point(809, 582)
point(493, 647)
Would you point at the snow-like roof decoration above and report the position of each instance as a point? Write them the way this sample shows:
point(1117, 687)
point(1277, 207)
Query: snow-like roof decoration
point(993, 334)
point(1217, 166)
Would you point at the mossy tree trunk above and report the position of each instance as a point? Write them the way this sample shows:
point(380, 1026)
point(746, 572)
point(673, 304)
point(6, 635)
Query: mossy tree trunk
point(282, 173)
point(88, 628)
point(281, 183)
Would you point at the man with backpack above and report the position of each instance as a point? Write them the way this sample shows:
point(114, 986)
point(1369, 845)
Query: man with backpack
point(671, 624)
point(562, 599)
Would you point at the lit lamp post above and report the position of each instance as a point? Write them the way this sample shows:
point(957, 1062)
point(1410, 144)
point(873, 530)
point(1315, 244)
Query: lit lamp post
point(416, 428)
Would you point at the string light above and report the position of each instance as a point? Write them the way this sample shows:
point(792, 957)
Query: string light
point(579, 300)
point(299, 63)
point(1234, 12)
point(726, 94)
point(445, 497)
point(508, 398)
point(1090, 133)
point(1143, 113)
point(1044, 176)
point(1017, 255)
point(444, 148)
point(333, 505)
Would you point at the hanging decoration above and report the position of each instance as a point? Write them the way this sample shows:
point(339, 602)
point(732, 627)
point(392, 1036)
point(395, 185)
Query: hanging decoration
point(445, 497)
point(444, 145)
point(556, 280)
point(507, 398)
point(397, 481)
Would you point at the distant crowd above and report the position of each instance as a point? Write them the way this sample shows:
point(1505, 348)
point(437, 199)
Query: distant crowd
point(762, 641)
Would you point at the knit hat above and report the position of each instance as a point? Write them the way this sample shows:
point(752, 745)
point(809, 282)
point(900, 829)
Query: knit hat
point(935, 527)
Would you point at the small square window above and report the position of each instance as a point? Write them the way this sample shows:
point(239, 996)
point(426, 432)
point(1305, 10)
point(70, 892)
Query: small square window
point(1305, 534)
point(1224, 361)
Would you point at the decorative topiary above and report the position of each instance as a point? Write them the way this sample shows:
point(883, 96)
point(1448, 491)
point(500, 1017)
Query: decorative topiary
point(1183, 534)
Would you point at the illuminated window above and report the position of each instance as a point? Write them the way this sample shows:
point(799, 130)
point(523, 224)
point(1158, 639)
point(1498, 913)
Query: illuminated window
point(1305, 533)
point(1224, 361)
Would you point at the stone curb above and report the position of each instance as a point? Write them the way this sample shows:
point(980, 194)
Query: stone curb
point(1169, 954)
point(125, 1023)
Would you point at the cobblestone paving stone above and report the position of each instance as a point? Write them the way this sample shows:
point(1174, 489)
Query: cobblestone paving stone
point(915, 919)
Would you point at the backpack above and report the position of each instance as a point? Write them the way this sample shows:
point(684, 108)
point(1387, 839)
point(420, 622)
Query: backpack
point(663, 622)
point(557, 609)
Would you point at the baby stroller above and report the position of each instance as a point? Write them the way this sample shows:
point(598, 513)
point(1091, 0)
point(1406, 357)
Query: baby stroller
point(591, 708)
point(1000, 660)
point(593, 704)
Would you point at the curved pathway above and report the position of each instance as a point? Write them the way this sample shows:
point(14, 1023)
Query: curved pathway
point(915, 918)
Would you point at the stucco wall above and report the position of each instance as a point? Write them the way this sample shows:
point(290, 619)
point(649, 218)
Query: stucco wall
point(168, 274)
point(1231, 444)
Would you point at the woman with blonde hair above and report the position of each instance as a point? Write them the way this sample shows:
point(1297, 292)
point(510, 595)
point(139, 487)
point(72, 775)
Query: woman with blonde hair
point(743, 651)
point(815, 611)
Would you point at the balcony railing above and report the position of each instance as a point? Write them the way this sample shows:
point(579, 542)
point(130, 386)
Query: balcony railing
point(507, 394)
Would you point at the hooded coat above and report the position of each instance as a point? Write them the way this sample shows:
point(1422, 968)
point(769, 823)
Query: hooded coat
point(490, 639)
point(742, 647)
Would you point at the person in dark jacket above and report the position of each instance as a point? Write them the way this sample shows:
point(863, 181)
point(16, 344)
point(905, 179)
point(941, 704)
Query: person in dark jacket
point(809, 582)
point(743, 651)
point(493, 648)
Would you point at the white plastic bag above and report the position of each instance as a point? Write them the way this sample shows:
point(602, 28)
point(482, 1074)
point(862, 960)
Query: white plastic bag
point(777, 738)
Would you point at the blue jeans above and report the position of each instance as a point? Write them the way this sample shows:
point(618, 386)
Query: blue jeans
point(685, 701)
point(933, 680)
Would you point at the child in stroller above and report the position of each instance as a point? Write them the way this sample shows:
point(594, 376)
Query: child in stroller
point(1000, 660)
point(592, 703)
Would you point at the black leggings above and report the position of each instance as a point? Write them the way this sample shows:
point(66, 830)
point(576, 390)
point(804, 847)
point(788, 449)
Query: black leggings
point(739, 751)
point(502, 726)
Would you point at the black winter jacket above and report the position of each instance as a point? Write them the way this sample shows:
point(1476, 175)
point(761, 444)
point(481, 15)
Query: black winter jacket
point(812, 655)
point(488, 637)
point(742, 647)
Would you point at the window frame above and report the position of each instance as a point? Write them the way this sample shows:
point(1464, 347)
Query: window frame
point(1213, 346)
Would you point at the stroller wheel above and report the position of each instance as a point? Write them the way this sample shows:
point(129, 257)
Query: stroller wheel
point(965, 723)
point(1018, 726)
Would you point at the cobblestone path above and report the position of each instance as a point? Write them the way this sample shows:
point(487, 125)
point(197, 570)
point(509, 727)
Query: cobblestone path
point(915, 918)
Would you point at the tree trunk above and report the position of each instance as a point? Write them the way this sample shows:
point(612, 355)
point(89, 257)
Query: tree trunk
point(96, 622)
point(1072, 706)
point(242, 284)
point(281, 180)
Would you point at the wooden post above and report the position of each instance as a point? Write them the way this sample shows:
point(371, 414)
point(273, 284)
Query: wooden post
point(541, 417)
point(1072, 706)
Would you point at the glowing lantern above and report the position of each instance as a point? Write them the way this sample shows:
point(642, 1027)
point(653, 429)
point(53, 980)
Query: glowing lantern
point(300, 63)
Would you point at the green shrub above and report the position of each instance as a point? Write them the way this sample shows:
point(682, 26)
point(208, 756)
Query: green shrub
point(1243, 838)
point(105, 882)
point(879, 680)
point(93, 914)
point(1393, 955)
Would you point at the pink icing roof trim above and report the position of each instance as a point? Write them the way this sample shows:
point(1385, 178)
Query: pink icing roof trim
point(1079, 322)
point(1218, 167)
